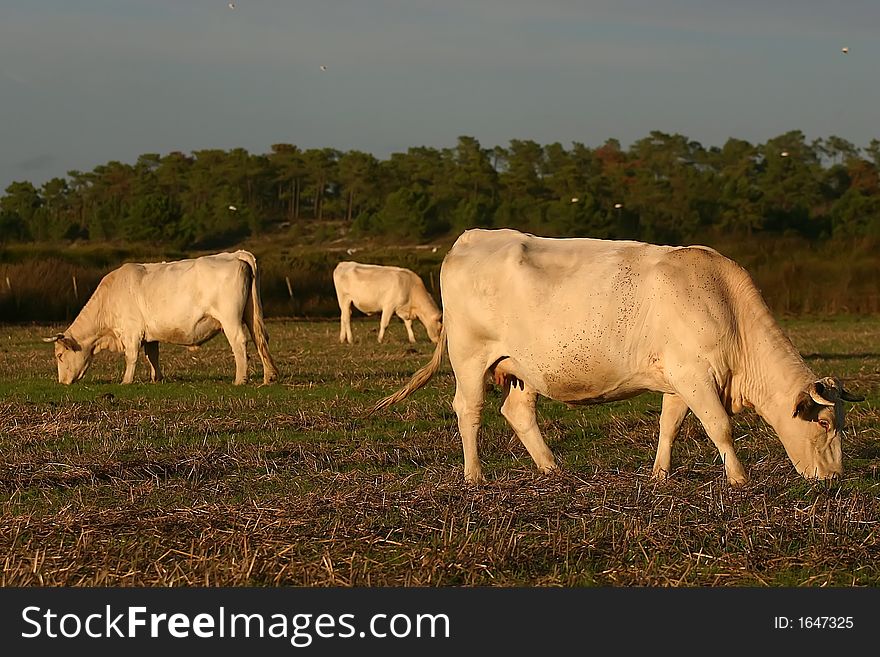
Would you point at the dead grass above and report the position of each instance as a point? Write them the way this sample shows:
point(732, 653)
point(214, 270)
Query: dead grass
point(195, 482)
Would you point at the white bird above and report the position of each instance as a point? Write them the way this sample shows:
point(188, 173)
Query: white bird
point(784, 153)
point(233, 208)
point(844, 50)
point(323, 68)
point(617, 206)
point(574, 199)
point(231, 5)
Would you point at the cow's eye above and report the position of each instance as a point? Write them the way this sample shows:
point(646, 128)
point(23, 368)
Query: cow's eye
point(825, 424)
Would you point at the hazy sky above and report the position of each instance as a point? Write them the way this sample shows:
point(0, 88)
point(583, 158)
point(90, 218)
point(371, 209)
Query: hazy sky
point(83, 82)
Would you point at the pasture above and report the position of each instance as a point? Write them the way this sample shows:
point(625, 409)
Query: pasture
point(196, 482)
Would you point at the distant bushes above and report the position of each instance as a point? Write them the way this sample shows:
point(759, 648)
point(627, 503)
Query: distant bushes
point(795, 276)
point(663, 187)
point(48, 284)
point(45, 290)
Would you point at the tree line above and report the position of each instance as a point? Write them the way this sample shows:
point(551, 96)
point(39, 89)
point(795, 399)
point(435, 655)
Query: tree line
point(663, 188)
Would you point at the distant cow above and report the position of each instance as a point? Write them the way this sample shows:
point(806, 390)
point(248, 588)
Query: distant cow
point(186, 302)
point(389, 290)
point(587, 321)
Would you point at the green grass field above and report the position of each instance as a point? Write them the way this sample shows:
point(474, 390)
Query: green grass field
point(196, 482)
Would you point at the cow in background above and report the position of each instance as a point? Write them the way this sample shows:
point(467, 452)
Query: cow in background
point(385, 289)
point(186, 302)
point(588, 321)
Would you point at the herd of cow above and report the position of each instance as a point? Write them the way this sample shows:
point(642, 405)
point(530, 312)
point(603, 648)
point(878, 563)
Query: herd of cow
point(578, 320)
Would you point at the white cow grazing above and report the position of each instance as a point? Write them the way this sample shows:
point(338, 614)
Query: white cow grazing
point(389, 290)
point(186, 302)
point(587, 321)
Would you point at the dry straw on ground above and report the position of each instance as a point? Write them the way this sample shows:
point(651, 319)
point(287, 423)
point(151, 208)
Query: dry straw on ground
point(194, 483)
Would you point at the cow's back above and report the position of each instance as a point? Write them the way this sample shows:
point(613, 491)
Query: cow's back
point(181, 301)
point(524, 283)
point(373, 287)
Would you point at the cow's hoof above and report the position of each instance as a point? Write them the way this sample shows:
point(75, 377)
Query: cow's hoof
point(660, 475)
point(475, 479)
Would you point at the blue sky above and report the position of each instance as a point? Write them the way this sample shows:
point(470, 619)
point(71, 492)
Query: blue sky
point(83, 82)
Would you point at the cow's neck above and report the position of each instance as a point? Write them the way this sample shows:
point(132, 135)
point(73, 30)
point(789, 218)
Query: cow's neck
point(774, 371)
point(87, 327)
point(419, 308)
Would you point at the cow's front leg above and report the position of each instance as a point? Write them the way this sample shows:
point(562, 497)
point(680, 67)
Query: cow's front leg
point(384, 321)
point(151, 350)
point(131, 350)
point(702, 398)
point(673, 412)
point(409, 329)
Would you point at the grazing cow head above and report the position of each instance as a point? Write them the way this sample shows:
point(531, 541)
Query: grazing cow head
point(820, 416)
point(70, 357)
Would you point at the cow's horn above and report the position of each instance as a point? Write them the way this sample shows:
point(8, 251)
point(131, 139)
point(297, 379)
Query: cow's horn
point(54, 338)
point(824, 392)
point(846, 395)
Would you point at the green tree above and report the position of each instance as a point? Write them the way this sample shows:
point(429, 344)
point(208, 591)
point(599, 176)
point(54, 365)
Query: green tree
point(252, 176)
point(523, 194)
point(665, 186)
point(404, 214)
point(23, 206)
point(736, 166)
point(521, 178)
point(839, 149)
point(474, 176)
point(59, 214)
point(290, 170)
point(873, 150)
point(320, 165)
point(357, 173)
point(857, 210)
point(789, 180)
point(155, 218)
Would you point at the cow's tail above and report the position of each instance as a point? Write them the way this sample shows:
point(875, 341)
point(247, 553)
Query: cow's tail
point(253, 318)
point(420, 378)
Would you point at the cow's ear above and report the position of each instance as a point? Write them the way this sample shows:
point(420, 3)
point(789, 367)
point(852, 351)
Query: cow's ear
point(66, 340)
point(802, 405)
point(70, 343)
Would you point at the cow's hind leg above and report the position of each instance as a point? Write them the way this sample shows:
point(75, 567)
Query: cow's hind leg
point(468, 405)
point(344, 320)
point(236, 333)
point(673, 412)
point(519, 410)
point(151, 350)
point(701, 395)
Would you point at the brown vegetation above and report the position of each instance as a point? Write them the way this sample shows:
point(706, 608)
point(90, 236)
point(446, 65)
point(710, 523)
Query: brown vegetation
point(795, 277)
point(193, 482)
